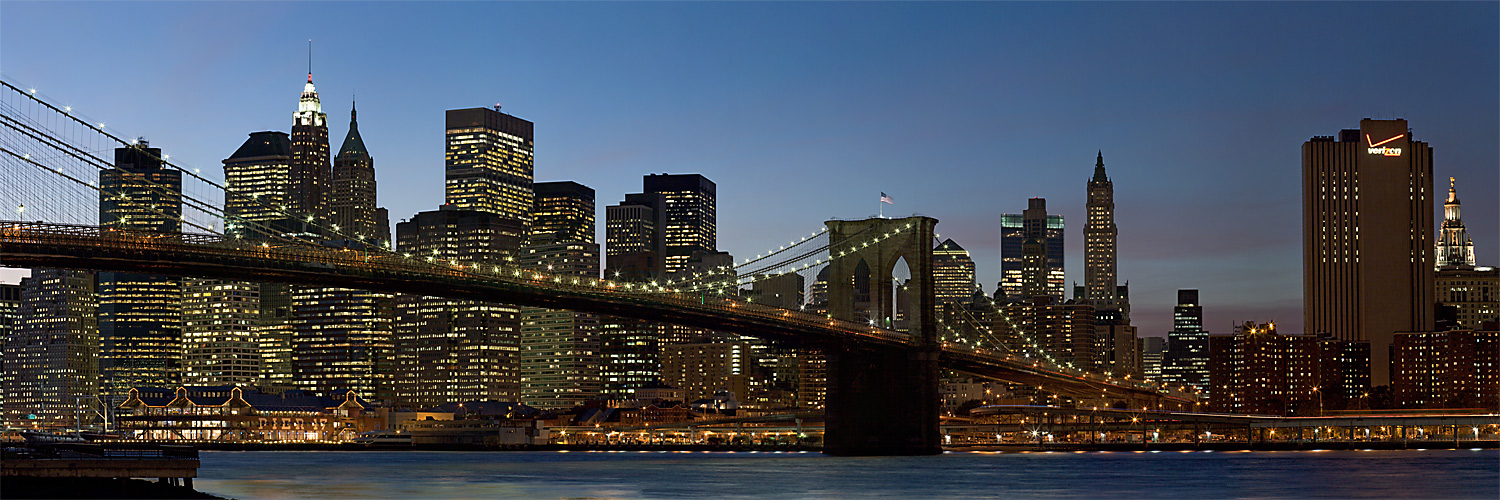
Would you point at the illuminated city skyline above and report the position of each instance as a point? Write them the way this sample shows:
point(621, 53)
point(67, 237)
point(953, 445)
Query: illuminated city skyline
point(804, 112)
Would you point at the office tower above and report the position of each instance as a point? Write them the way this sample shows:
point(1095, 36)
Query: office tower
point(140, 315)
point(783, 290)
point(258, 191)
point(952, 273)
point(10, 317)
point(52, 359)
point(343, 341)
point(563, 213)
point(353, 194)
point(1099, 234)
point(1367, 237)
point(702, 369)
point(1036, 238)
point(558, 358)
point(1258, 371)
point(633, 232)
point(1185, 362)
point(690, 213)
point(1452, 369)
point(1455, 249)
point(1065, 331)
point(310, 172)
point(1151, 349)
point(257, 181)
point(489, 162)
point(342, 338)
point(629, 355)
point(456, 350)
point(1116, 348)
point(1473, 294)
point(220, 335)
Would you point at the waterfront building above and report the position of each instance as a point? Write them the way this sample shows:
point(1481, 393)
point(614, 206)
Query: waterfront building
point(230, 414)
point(563, 213)
point(1031, 253)
point(457, 350)
point(220, 337)
point(488, 162)
point(952, 273)
point(701, 370)
point(1258, 371)
point(633, 237)
point(1185, 362)
point(52, 359)
point(690, 202)
point(1367, 254)
point(355, 214)
point(1452, 369)
point(140, 315)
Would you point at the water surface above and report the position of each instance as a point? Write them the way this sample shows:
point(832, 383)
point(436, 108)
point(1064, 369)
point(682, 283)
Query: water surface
point(1445, 474)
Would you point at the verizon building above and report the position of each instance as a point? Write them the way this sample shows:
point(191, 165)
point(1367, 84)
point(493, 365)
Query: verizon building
point(1367, 237)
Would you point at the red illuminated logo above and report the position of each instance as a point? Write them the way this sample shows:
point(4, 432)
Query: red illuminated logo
point(1377, 149)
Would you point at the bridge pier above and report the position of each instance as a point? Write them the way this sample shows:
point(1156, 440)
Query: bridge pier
point(882, 402)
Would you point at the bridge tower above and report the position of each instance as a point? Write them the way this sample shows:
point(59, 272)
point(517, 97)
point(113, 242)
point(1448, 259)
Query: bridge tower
point(882, 401)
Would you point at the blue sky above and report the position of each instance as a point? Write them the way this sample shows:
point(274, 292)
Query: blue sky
point(805, 111)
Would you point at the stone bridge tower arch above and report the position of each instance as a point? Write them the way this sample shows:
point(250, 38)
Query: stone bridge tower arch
point(883, 401)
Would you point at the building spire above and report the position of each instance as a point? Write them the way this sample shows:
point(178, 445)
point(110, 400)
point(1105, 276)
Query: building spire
point(309, 60)
point(1454, 249)
point(1099, 175)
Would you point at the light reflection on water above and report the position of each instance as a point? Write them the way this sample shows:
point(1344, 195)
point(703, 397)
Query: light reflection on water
point(1447, 474)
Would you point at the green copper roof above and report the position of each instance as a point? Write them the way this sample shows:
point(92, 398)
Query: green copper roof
point(353, 143)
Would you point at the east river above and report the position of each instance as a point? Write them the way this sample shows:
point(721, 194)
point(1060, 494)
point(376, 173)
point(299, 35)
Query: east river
point(1445, 474)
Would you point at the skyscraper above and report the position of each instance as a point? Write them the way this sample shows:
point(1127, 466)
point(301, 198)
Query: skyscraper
point(456, 350)
point(258, 194)
point(310, 172)
point(140, 315)
point(52, 359)
point(489, 162)
point(559, 349)
point(1185, 362)
point(220, 338)
point(690, 213)
point(952, 273)
point(1044, 234)
point(258, 182)
point(1099, 235)
point(1367, 237)
point(633, 237)
point(353, 195)
point(1455, 250)
point(563, 213)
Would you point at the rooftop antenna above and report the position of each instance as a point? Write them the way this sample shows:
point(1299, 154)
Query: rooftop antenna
point(309, 60)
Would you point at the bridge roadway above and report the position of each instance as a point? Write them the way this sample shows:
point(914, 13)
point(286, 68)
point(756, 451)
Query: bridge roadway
point(45, 245)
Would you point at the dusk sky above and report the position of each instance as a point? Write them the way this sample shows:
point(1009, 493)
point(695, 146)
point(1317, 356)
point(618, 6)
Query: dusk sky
point(802, 112)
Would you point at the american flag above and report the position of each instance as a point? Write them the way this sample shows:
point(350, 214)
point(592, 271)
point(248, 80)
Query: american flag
point(885, 198)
